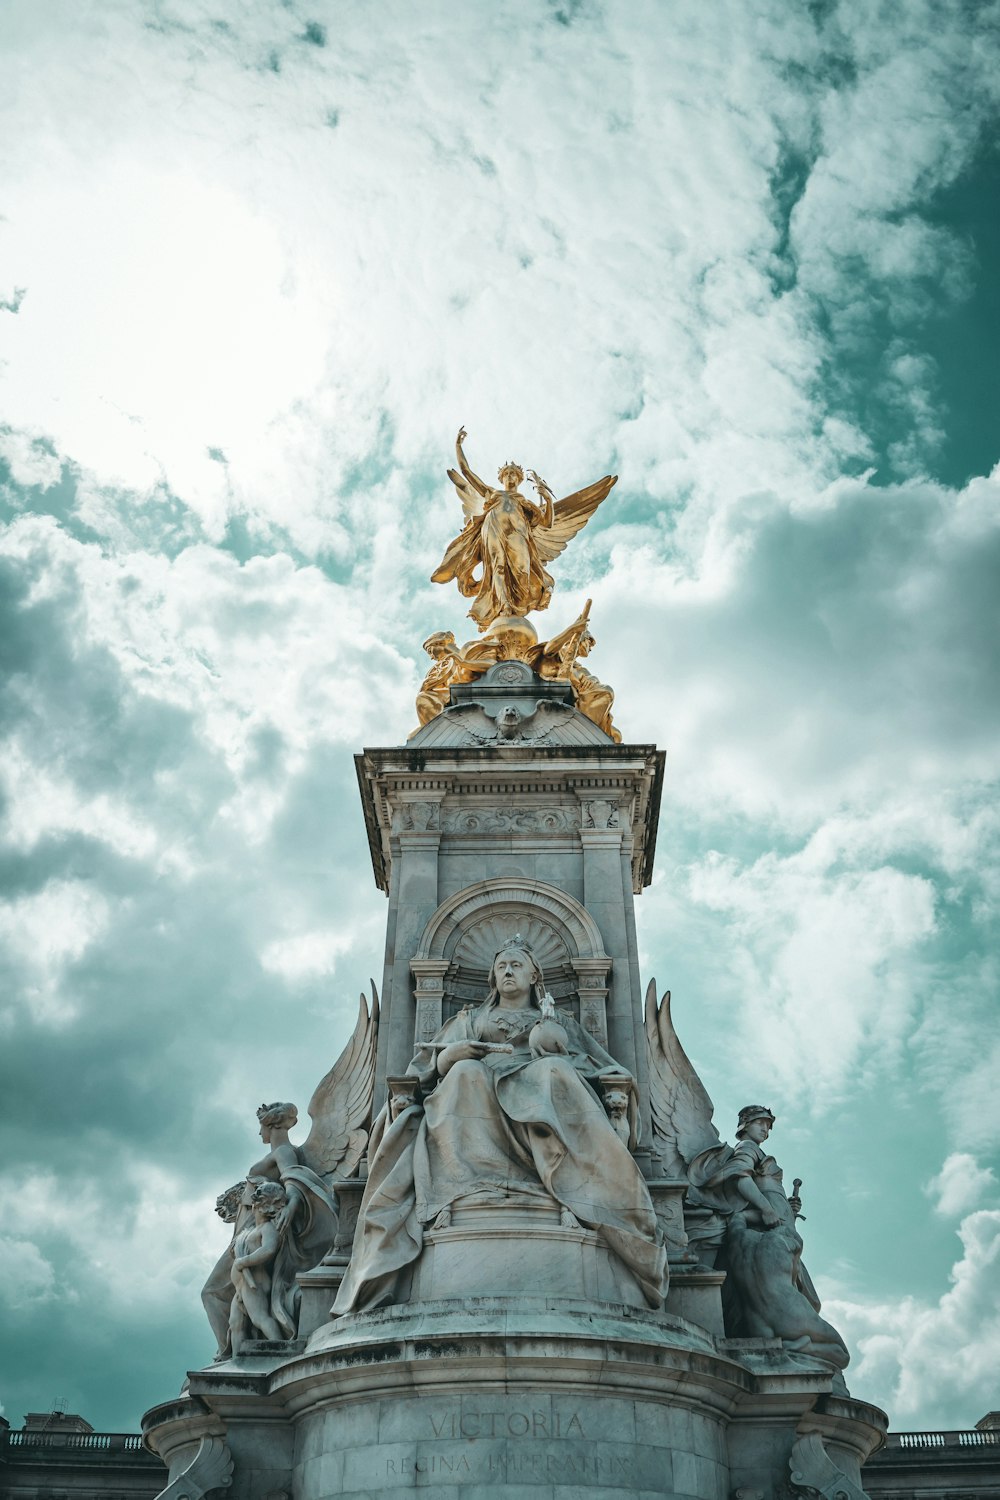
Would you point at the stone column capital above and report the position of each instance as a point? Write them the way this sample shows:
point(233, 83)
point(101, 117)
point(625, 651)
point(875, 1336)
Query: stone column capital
point(429, 969)
point(593, 971)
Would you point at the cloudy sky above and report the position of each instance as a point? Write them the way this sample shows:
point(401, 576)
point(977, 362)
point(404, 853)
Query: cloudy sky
point(257, 264)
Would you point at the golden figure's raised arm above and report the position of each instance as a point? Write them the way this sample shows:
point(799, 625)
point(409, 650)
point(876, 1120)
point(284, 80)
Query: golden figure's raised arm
point(468, 474)
point(472, 491)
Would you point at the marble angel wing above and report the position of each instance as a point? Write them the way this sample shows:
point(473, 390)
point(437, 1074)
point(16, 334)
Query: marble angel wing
point(569, 516)
point(679, 1102)
point(341, 1105)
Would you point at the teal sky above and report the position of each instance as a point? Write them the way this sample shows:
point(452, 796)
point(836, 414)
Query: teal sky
point(257, 264)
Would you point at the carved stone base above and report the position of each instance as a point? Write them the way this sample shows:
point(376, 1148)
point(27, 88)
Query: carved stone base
point(545, 1398)
point(696, 1294)
point(319, 1288)
point(489, 1249)
point(540, 1398)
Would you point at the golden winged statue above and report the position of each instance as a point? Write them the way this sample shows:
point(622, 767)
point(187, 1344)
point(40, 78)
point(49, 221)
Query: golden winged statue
point(561, 658)
point(511, 538)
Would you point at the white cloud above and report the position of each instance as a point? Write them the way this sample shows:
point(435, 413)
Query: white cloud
point(45, 933)
point(822, 953)
point(961, 1185)
point(26, 1277)
point(275, 312)
point(918, 1357)
point(41, 803)
point(958, 1052)
point(306, 954)
point(146, 1245)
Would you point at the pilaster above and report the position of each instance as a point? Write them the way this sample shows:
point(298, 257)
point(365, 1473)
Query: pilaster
point(592, 987)
point(428, 987)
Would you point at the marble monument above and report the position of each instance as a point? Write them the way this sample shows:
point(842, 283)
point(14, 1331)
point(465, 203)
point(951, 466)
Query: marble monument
point(513, 1254)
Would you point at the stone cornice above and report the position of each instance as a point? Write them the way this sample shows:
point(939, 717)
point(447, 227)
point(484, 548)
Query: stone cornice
point(389, 776)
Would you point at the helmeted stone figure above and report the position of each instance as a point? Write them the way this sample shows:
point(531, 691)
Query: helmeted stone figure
point(748, 1224)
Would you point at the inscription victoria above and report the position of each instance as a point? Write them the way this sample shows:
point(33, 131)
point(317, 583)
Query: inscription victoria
point(494, 1424)
point(508, 1424)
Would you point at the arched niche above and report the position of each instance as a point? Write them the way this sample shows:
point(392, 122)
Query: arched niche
point(451, 965)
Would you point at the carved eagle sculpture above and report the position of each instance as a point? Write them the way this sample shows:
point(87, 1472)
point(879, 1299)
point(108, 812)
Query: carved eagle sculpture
point(341, 1105)
point(679, 1102)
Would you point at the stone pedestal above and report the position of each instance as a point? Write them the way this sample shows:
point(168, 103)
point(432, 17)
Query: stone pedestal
point(527, 1398)
point(490, 1251)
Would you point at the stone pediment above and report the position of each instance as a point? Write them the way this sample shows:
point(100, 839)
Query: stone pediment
point(510, 705)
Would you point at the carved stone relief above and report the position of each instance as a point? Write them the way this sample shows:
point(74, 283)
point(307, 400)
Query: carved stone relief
point(420, 817)
point(511, 820)
point(600, 813)
point(814, 1474)
point(210, 1469)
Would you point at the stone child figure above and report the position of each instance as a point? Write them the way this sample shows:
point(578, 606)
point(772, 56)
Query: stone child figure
point(300, 1188)
point(255, 1249)
point(304, 1222)
point(510, 1113)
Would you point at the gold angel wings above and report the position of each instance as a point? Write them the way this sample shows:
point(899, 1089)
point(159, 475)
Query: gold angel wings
point(510, 538)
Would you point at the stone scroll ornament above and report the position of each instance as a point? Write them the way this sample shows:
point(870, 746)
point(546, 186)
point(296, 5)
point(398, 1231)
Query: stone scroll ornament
point(815, 1476)
point(739, 1218)
point(284, 1213)
point(210, 1469)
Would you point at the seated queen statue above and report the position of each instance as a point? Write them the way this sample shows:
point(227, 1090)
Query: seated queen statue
point(504, 1112)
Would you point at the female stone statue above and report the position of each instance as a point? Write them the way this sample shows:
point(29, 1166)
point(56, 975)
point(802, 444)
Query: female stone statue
point(511, 538)
point(304, 1225)
point(299, 1183)
point(509, 1115)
